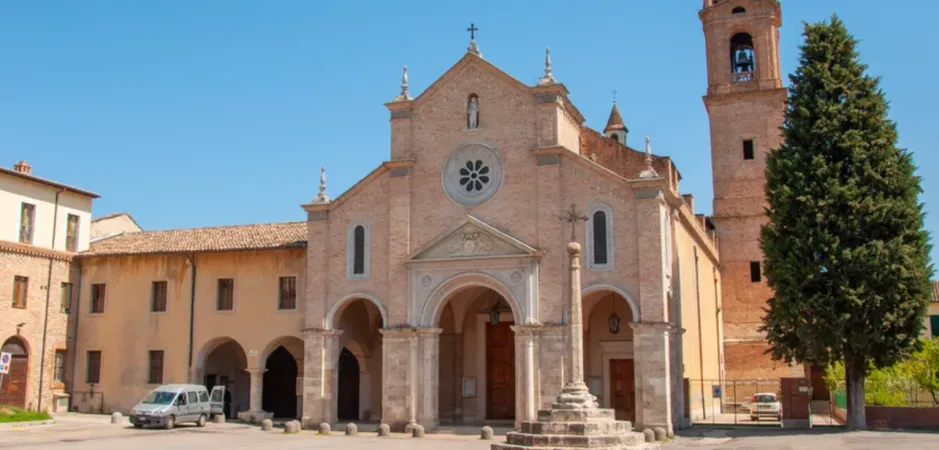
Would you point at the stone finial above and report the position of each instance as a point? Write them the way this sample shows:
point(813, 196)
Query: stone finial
point(384, 430)
point(649, 171)
point(548, 77)
point(352, 429)
point(404, 95)
point(23, 167)
point(322, 197)
point(267, 425)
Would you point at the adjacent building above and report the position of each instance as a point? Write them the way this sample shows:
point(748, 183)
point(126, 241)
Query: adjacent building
point(43, 225)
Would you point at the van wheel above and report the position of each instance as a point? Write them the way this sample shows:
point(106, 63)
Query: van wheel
point(201, 421)
point(170, 422)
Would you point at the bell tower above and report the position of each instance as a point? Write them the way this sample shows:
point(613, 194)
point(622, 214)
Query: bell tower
point(745, 102)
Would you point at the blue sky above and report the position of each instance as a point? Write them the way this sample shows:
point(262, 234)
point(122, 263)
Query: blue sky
point(217, 112)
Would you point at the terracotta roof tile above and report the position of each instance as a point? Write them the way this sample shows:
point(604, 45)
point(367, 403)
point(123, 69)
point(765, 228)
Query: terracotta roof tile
point(935, 291)
point(48, 182)
point(199, 240)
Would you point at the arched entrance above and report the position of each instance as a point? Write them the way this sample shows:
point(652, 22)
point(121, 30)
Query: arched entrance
point(15, 383)
point(348, 407)
point(358, 388)
point(477, 357)
point(280, 384)
point(223, 362)
point(608, 351)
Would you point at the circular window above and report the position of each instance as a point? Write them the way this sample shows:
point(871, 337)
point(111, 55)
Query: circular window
point(473, 174)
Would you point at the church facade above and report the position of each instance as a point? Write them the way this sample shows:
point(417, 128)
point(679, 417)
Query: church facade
point(435, 289)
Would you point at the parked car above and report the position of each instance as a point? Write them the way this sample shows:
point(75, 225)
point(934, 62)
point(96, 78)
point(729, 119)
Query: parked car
point(765, 404)
point(172, 404)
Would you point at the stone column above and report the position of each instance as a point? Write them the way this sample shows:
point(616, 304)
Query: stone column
point(575, 393)
point(526, 397)
point(430, 377)
point(652, 373)
point(552, 362)
point(320, 363)
point(257, 389)
point(396, 378)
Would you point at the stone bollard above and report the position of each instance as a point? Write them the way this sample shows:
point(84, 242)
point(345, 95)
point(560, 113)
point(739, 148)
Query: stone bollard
point(659, 434)
point(417, 430)
point(384, 430)
point(352, 430)
point(267, 425)
point(409, 428)
point(117, 418)
point(219, 418)
point(292, 427)
point(486, 433)
point(324, 428)
point(649, 434)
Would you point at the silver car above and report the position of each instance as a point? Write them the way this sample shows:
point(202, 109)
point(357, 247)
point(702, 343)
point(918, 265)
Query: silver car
point(171, 404)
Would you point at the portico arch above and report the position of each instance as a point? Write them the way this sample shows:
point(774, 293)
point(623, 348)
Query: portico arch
point(348, 299)
point(433, 308)
point(624, 293)
point(222, 361)
point(282, 360)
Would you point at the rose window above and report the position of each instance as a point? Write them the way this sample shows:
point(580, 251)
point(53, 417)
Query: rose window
point(474, 176)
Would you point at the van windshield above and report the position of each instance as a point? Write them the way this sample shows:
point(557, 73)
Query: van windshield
point(159, 398)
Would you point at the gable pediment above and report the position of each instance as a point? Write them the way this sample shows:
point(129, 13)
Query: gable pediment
point(472, 239)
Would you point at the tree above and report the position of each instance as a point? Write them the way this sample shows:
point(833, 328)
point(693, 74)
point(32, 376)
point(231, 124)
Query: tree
point(846, 252)
point(923, 366)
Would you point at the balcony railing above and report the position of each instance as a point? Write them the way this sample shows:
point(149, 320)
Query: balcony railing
point(743, 77)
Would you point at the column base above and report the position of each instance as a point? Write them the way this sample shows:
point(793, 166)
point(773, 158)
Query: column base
point(593, 428)
point(575, 395)
point(254, 416)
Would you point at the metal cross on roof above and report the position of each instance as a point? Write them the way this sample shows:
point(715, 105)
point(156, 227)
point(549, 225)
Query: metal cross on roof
point(472, 29)
point(573, 216)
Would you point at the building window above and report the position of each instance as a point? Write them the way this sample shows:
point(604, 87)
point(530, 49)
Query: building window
point(58, 374)
point(473, 176)
point(357, 251)
point(287, 298)
point(98, 292)
point(20, 287)
point(27, 222)
point(226, 295)
point(667, 231)
point(156, 367)
point(93, 369)
point(755, 274)
point(599, 237)
point(934, 325)
point(742, 57)
point(158, 297)
point(748, 149)
point(739, 10)
point(71, 233)
point(66, 302)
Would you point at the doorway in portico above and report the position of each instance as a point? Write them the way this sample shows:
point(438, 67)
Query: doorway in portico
point(477, 358)
point(359, 361)
point(608, 351)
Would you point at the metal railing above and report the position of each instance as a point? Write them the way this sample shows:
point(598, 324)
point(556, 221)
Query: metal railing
point(729, 402)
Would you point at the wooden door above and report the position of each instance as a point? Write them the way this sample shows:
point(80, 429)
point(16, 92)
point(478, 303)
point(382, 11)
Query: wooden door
point(623, 389)
point(500, 372)
point(13, 391)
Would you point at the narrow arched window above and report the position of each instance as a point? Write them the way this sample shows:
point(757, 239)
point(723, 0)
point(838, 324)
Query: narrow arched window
point(357, 251)
point(742, 57)
point(599, 238)
point(739, 10)
point(358, 265)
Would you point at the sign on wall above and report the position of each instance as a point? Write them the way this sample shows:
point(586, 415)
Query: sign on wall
point(5, 359)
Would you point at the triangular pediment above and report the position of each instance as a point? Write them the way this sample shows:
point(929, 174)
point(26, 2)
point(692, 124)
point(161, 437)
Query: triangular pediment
point(470, 60)
point(470, 240)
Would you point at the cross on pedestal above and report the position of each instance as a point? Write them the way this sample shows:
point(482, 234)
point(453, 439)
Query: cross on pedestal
point(472, 29)
point(572, 216)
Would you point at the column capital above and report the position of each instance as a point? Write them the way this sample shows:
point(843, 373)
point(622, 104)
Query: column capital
point(536, 329)
point(653, 327)
point(255, 371)
point(321, 332)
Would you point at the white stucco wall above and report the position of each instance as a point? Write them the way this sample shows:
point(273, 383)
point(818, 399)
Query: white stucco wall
point(14, 191)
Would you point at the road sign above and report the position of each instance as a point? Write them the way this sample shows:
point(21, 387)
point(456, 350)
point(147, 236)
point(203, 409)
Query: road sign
point(716, 391)
point(5, 359)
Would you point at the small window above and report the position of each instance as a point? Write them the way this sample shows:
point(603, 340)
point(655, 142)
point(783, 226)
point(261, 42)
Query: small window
point(27, 222)
point(287, 293)
point(93, 369)
point(359, 263)
point(58, 375)
point(934, 325)
point(66, 301)
point(203, 396)
point(156, 367)
point(226, 295)
point(739, 10)
point(615, 137)
point(599, 238)
point(71, 233)
point(158, 297)
point(20, 288)
point(755, 274)
point(98, 292)
point(193, 397)
point(748, 149)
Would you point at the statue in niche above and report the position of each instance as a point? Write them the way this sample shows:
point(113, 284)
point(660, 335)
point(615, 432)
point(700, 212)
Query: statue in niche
point(472, 112)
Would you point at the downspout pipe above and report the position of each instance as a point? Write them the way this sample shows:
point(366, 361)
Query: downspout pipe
point(192, 308)
point(45, 320)
point(75, 309)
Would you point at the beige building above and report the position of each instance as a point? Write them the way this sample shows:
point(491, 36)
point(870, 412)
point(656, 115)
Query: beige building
point(43, 225)
point(434, 289)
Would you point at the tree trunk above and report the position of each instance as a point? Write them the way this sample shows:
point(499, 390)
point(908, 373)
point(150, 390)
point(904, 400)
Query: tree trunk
point(857, 409)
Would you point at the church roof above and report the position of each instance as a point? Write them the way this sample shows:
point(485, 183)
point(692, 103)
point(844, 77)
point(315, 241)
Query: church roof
point(615, 122)
point(204, 240)
point(47, 182)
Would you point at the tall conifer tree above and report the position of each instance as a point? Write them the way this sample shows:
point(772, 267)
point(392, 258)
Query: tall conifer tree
point(846, 252)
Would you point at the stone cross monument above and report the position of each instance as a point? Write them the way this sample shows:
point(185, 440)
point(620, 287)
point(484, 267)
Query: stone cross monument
point(575, 420)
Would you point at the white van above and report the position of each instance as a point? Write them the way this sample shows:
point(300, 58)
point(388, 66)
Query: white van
point(171, 404)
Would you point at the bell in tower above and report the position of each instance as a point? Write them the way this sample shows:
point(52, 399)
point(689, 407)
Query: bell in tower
point(742, 55)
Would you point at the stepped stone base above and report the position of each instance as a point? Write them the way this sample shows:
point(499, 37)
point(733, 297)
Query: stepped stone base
point(563, 428)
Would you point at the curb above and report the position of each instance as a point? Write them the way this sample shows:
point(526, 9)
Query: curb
point(34, 423)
